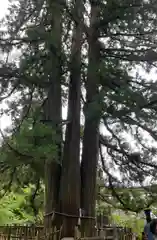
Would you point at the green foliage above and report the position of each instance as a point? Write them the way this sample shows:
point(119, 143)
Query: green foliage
point(37, 141)
point(130, 221)
point(26, 151)
point(15, 208)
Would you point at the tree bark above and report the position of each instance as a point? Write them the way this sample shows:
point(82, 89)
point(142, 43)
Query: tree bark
point(91, 132)
point(70, 182)
point(53, 112)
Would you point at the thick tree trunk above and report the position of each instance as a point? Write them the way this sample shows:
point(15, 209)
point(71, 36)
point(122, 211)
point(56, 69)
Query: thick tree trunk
point(70, 182)
point(52, 112)
point(90, 139)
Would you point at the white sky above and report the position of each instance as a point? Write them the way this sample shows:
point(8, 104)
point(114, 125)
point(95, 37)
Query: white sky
point(3, 8)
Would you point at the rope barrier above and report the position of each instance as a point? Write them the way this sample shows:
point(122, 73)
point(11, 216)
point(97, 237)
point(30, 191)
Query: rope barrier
point(68, 215)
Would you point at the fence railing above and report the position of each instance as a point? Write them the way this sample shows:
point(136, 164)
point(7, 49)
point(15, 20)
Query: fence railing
point(37, 233)
point(103, 230)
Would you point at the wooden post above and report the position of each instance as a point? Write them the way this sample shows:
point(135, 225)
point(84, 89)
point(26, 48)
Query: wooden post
point(115, 234)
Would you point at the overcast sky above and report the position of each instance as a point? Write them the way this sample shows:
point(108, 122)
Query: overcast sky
point(3, 7)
